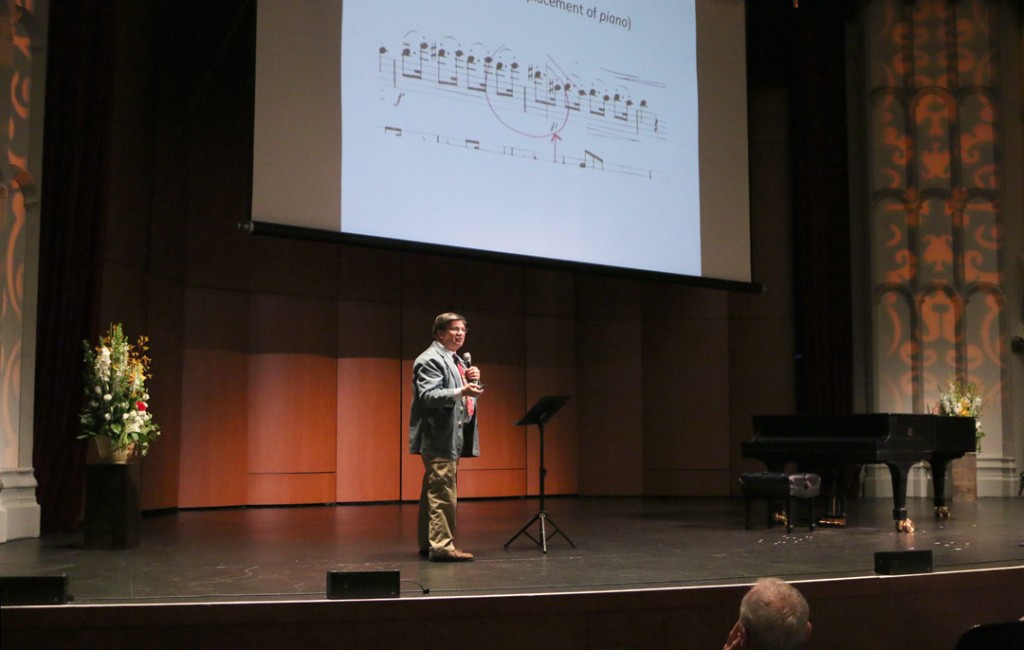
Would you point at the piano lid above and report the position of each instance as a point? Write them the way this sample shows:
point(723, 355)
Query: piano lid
point(907, 431)
point(861, 425)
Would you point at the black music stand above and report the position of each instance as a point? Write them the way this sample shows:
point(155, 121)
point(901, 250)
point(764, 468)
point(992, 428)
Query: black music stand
point(539, 414)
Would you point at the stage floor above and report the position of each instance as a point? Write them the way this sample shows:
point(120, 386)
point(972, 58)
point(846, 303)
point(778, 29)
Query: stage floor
point(247, 554)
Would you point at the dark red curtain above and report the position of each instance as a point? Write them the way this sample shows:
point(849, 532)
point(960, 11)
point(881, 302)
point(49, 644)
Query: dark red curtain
point(78, 79)
point(822, 263)
point(803, 51)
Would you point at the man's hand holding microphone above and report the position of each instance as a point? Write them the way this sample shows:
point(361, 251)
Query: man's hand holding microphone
point(472, 387)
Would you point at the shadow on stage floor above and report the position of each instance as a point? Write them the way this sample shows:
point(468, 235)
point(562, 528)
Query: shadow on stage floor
point(263, 555)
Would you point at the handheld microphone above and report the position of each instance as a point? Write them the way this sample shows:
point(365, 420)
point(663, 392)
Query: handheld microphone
point(468, 360)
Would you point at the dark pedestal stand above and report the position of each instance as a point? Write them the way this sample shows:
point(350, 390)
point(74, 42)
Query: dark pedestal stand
point(113, 515)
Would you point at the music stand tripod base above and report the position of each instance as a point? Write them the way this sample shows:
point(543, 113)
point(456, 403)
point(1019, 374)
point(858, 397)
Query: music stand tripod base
point(539, 414)
point(542, 541)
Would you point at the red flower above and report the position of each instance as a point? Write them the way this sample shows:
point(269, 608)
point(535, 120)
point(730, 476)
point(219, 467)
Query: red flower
point(140, 405)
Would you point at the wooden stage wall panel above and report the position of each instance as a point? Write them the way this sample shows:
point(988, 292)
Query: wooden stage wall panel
point(292, 385)
point(551, 370)
point(164, 326)
point(214, 420)
point(277, 383)
point(490, 482)
point(368, 426)
point(611, 408)
point(685, 443)
point(370, 402)
point(369, 275)
point(679, 431)
point(284, 266)
point(757, 388)
point(290, 489)
point(292, 413)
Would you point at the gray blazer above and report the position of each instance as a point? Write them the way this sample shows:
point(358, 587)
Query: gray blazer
point(437, 425)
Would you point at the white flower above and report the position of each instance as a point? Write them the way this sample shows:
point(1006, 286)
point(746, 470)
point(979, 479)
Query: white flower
point(133, 422)
point(108, 397)
point(103, 363)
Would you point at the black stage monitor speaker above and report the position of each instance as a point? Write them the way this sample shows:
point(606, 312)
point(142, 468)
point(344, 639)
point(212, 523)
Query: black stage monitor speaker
point(900, 562)
point(362, 584)
point(33, 590)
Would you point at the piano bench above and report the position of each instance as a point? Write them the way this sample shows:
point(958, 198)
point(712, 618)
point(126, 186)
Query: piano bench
point(778, 485)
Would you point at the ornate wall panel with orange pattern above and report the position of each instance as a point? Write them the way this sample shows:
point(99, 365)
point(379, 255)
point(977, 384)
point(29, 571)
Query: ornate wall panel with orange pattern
point(17, 187)
point(935, 217)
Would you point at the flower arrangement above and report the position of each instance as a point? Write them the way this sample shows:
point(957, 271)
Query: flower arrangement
point(116, 400)
point(962, 399)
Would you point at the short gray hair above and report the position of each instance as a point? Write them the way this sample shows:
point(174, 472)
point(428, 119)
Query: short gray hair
point(774, 615)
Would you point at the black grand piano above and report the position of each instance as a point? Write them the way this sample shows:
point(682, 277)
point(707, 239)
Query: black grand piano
point(897, 439)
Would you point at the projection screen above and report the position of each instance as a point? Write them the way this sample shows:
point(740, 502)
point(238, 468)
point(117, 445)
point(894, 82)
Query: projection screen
point(610, 135)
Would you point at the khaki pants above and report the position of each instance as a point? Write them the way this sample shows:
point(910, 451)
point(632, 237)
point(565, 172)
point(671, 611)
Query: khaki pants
point(438, 499)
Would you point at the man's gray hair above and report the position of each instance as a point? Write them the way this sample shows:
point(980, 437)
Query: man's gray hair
point(774, 615)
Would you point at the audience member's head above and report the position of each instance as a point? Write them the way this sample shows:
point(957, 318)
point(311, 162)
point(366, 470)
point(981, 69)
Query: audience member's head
point(773, 616)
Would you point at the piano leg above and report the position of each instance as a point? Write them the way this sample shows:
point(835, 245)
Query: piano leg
point(779, 516)
point(898, 472)
point(834, 486)
point(939, 486)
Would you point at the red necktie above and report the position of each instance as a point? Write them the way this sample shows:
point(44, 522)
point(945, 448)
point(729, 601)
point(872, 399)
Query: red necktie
point(470, 406)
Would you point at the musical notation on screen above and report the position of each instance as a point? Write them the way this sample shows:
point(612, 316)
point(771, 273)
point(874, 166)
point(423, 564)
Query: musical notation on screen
point(537, 100)
point(589, 160)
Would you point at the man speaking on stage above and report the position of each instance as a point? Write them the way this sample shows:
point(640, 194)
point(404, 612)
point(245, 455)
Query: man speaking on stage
point(442, 429)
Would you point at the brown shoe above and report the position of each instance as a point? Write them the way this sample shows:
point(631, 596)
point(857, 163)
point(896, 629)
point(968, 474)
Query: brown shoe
point(455, 555)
